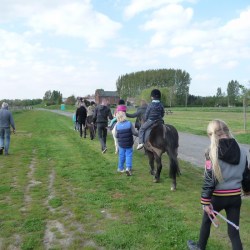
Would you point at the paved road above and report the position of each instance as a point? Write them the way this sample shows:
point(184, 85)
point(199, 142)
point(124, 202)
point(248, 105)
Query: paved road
point(191, 147)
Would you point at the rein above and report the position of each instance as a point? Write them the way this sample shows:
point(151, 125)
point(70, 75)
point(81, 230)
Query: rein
point(216, 222)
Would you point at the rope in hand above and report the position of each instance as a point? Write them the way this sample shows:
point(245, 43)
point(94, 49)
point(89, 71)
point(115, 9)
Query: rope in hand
point(216, 222)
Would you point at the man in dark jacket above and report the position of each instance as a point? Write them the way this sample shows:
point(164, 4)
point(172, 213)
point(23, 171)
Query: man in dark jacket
point(6, 120)
point(101, 115)
point(139, 114)
point(81, 114)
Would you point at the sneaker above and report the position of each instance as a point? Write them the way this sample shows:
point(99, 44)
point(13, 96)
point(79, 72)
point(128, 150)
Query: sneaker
point(120, 171)
point(128, 172)
point(193, 245)
point(140, 146)
point(104, 150)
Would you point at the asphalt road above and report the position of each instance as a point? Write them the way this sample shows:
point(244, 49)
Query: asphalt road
point(191, 147)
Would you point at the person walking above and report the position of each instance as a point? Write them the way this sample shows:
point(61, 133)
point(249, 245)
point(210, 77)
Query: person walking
point(76, 127)
point(81, 114)
point(139, 114)
point(6, 121)
point(155, 111)
point(124, 132)
point(120, 107)
point(101, 115)
point(226, 167)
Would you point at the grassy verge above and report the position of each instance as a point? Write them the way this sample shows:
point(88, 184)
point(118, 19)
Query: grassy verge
point(58, 191)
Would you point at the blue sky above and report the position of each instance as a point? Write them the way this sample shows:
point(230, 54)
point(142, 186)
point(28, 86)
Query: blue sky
point(78, 46)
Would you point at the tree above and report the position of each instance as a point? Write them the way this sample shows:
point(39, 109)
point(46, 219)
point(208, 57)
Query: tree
point(51, 98)
point(71, 100)
point(232, 92)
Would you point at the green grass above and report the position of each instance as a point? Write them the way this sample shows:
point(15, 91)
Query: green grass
point(55, 182)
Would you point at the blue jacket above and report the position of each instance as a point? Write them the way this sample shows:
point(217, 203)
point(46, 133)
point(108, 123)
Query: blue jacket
point(155, 111)
point(6, 119)
point(124, 134)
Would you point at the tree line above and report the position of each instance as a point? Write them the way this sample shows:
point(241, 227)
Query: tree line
point(173, 83)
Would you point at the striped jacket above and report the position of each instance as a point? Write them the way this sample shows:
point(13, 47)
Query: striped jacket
point(233, 163)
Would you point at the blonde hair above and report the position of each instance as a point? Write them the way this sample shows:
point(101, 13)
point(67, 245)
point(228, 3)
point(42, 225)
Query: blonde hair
point(216, 130)
point(121, 116)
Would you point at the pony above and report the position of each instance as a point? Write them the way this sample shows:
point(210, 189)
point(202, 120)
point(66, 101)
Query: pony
point(115, 139)
point(90, 126)
point(159, 139)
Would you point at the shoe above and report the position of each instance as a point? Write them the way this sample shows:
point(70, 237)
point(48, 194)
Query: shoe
point(140, 146)
point(6, 153)
point(104, 150)
point(120, 171)
point(128, 172)
point(193, 245)
point(1, 150)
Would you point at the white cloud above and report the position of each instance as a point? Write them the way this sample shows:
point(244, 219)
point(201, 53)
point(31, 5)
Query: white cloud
point(76, 20)
point(137, 6)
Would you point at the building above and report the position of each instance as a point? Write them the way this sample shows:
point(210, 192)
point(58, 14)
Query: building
point(111, 96)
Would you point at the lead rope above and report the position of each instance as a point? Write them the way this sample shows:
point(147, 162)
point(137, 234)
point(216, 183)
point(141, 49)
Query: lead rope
point(215, 221)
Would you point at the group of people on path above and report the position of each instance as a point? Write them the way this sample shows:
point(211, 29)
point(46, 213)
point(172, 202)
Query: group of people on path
point(226, 174)
point(227, 170)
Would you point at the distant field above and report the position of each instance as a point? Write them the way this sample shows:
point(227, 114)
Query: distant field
point(58, 191)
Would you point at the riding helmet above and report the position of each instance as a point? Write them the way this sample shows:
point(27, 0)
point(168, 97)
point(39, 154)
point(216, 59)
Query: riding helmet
point(156, 94)
point(121, 102)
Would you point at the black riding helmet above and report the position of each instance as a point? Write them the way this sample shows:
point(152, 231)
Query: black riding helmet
point(121, 102)
point(156, 94)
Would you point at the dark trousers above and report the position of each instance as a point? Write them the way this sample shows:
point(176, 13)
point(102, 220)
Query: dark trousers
point(142, 130)
point(82, 129)
point(231, 204)
point(102, 134)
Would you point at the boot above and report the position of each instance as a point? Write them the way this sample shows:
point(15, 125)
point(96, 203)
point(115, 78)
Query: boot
point(193, 245)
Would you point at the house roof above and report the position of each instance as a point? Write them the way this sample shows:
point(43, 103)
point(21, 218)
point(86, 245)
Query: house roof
point(108, 93)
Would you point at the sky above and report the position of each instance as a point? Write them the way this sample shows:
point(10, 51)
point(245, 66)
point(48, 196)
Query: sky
point(78, 46)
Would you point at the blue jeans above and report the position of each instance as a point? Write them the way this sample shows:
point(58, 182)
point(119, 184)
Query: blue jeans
point(5, 137)
point(125, 155)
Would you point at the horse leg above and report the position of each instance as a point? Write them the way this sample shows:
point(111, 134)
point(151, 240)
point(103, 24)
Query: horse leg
point(174, 168)
point(115, 141)
point(151, 162)
point(159, 168)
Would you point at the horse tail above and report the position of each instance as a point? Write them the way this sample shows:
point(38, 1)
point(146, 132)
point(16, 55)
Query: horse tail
point(172, 144)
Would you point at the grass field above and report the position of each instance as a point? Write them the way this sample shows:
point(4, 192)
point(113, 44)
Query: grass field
point(58, 191)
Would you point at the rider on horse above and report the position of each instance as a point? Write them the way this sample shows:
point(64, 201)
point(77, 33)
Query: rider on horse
point(154, 112)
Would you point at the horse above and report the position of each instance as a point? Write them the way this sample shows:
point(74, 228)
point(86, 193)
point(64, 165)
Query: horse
point(161, 138)
point(115, 139)
point(90, 126)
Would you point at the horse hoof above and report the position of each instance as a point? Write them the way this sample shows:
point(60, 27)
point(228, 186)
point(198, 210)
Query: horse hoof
point(173, 189)
point(156, 181)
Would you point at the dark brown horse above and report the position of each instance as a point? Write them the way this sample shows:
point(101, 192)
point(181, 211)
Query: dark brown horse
point(162, 138)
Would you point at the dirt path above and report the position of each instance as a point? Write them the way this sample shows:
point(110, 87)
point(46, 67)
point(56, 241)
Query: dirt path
point(191, 149)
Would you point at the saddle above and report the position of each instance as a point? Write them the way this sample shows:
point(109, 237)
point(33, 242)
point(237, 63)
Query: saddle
point(149, 129)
